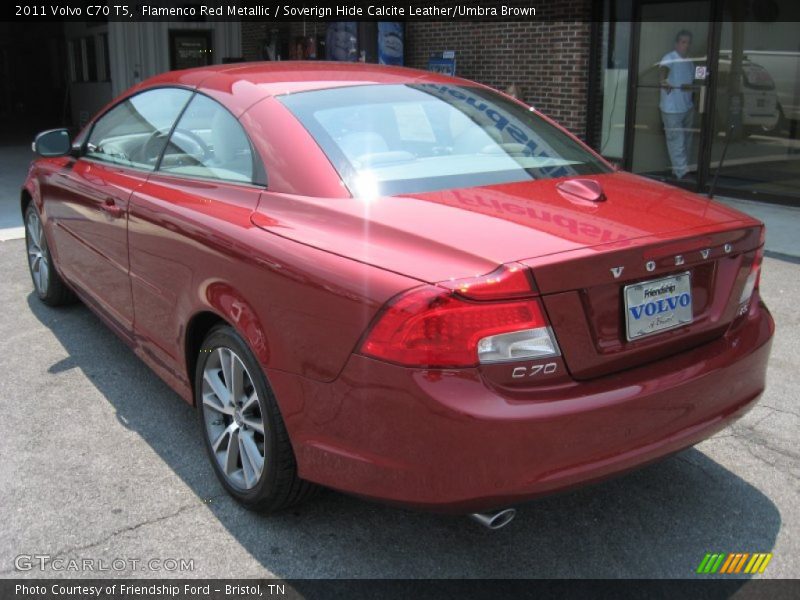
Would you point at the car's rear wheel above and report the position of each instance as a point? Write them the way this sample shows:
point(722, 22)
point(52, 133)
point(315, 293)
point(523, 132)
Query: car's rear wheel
point(242, 427)
point(48, 284)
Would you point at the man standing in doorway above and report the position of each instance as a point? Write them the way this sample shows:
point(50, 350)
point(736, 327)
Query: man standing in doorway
point(677, 111)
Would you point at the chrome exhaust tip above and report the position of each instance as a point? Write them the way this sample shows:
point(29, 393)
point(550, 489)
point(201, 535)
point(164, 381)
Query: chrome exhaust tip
point(495, 520)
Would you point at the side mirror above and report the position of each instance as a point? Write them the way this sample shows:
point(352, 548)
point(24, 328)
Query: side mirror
point(54, 142)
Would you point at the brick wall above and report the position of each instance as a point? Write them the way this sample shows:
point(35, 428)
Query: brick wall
point(546, 57)
point(547, 60)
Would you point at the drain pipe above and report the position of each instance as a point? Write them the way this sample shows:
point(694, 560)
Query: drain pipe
point(496, 519)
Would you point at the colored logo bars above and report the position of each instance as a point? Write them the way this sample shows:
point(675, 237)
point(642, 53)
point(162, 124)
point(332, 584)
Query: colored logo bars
point(735, 562)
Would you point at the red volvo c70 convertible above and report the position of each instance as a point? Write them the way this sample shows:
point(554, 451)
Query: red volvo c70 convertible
point(398, 284)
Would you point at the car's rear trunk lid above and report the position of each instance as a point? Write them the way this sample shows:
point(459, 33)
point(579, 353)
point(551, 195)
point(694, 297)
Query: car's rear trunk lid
point(582, 253)
point(584, 294)
point(458, 233)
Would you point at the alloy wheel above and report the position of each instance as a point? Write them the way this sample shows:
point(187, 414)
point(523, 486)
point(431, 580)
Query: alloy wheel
point(233, 418)
point(37, 253)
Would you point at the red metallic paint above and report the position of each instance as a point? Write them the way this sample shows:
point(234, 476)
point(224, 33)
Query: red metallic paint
point(452, 441)
point(89, 202)
point(301, 269)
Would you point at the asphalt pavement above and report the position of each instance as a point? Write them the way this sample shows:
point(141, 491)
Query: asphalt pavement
point(102, 461)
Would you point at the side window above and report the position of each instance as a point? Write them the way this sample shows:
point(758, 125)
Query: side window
point(134, 132)
point(209, 142)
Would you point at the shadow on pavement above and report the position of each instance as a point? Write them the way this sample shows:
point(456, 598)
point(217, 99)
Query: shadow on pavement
point(656, 522)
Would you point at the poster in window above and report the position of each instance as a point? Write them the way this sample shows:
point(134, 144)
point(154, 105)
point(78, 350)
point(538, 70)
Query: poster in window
point(390, 43)
point(342, 41)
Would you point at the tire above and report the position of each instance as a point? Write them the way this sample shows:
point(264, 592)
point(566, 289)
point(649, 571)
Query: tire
point(47, 283)
point(238, 438)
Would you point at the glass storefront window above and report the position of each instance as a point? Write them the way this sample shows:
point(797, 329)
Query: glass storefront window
point(616, 36)
point(757, 125)
point(670, 89)
point(740, 76)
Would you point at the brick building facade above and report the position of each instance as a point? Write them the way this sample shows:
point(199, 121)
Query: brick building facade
point(591, 66)
point(547, 58)
point(586, 64)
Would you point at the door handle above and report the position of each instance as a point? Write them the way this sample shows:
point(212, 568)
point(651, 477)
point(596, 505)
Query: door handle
point(702, 101)
point(110, 207)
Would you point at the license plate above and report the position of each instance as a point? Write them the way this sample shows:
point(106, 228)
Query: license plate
point(657, 305)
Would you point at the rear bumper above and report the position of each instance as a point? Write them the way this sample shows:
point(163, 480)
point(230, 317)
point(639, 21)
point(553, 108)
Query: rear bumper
point(449, 442)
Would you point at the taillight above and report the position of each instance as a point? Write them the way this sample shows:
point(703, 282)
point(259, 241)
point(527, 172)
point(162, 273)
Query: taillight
point(472, 321)
point(509, 281)
point(753, 278)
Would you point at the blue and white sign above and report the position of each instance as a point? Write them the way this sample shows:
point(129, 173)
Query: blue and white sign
point(443, 62)
point(390, 43)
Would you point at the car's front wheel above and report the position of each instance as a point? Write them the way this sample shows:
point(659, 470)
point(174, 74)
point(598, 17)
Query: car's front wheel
point(48, 284)
point(244, 433)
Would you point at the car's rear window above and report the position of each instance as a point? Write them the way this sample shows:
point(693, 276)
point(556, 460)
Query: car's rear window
point(402, 139)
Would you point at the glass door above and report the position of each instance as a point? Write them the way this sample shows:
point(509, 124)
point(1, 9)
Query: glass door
point(665, 132)
point(755, 148)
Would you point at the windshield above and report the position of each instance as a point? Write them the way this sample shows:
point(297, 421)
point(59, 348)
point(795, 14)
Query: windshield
point(402, 139)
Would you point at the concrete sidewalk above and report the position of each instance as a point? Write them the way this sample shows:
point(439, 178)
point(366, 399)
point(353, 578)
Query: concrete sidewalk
point(783, 225)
